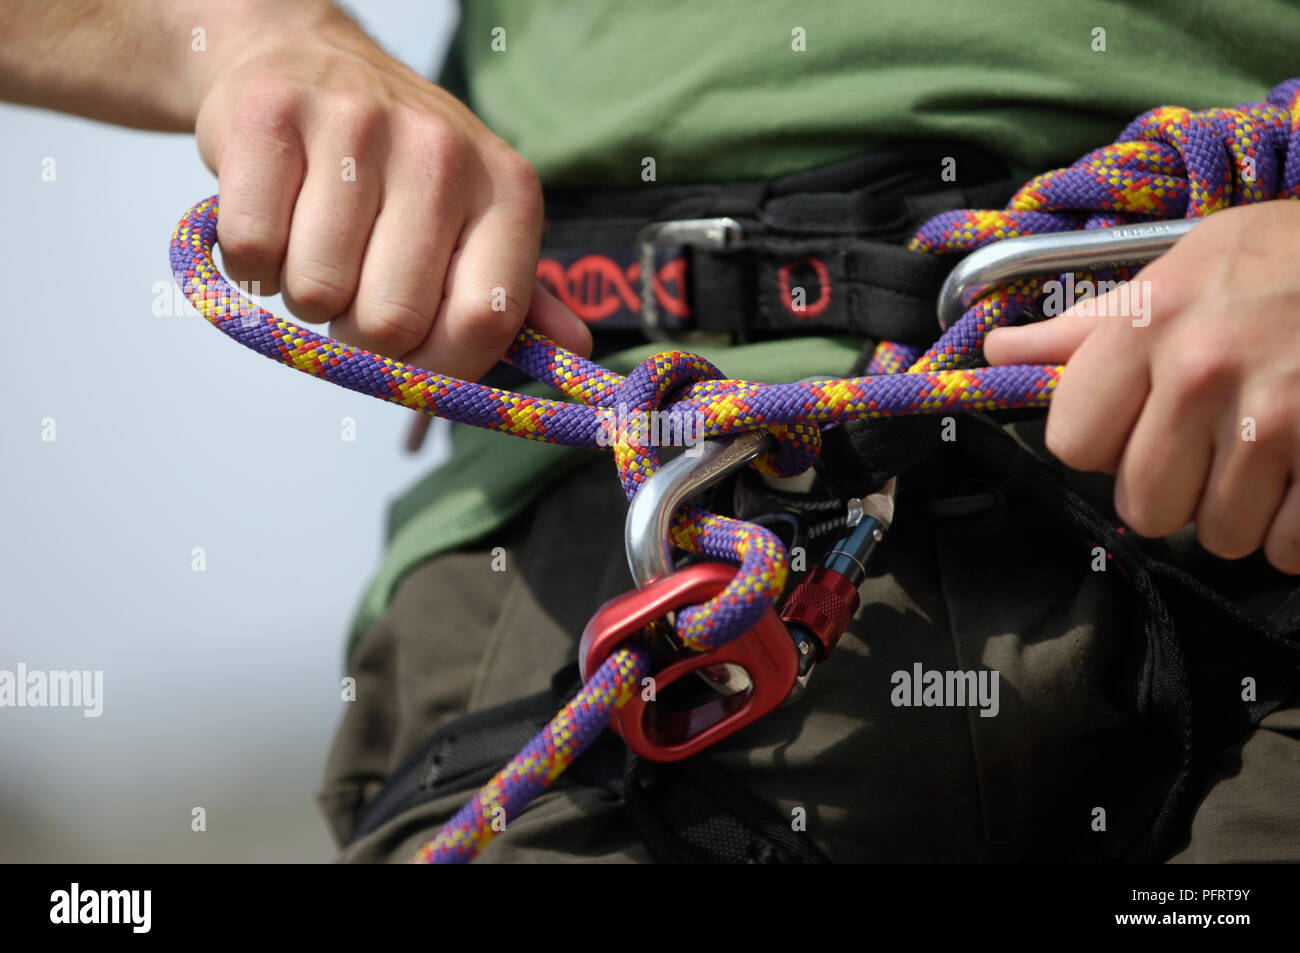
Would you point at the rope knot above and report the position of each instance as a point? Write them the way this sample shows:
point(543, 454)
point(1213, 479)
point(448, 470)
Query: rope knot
point(679, 399)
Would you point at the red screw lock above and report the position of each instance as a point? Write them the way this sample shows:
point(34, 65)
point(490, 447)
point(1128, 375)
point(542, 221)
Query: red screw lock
point(766, 653)
point(824, 604)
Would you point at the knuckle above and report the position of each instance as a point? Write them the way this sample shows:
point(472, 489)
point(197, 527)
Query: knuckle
point(395, 327)
point(1168, 291)
point(449, 159)
point(1274, 427)
point(438, 147)
point(1268, 413)
point(519, 180)
point(1067, 443)
point(1282, 549)
point(268, 111)
point(1064, 448)
point(1062, 445)
point(249, 239)
point(358, 118)
point(319, 290)
point(1202, 366)
point(493, 330)
point(1139, 513)
point(517, 190)
point(1222, 538)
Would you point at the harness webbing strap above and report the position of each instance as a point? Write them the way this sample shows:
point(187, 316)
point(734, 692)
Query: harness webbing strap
point(1170, 162)
point(459, 756)
point(816, 252)
point(1198, 643)
point(694, 812)
point(756, 287)
point(689, 813)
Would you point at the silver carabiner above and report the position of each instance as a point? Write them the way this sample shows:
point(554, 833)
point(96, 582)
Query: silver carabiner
point(1029, 255)
point(650, 514)
point(645, 532)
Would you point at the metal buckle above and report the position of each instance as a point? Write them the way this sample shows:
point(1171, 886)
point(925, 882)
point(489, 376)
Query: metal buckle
point(656, 733)
point(695, 232)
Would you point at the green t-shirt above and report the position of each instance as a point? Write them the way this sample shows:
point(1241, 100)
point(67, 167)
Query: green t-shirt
point(716, 90)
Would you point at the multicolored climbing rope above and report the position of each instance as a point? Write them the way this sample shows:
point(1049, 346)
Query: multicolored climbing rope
point(1168, 163)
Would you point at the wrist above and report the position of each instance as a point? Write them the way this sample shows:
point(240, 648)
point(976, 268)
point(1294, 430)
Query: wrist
point(239, 32)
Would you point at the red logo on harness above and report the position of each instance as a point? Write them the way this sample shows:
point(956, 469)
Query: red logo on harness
point(805, 310)
point(596, 287)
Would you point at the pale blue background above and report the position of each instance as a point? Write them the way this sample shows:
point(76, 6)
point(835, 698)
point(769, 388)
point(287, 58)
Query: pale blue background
point(221, 688)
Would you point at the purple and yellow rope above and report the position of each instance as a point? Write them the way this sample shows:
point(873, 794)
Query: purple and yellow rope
point(1168, 163)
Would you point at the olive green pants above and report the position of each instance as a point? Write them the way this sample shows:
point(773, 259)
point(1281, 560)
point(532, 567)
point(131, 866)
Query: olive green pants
point(876, 781)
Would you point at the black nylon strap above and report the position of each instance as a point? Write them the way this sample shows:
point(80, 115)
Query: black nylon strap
point(459, 756)
point(1286, 617)
point(695, 813)
point(821, 251)
point(860, 287)
point(687, 813)
point(859, 456)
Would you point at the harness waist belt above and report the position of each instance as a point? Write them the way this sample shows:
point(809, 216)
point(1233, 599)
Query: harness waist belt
point(814, 252)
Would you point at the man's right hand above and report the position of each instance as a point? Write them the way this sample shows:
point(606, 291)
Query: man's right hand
point(373, 199)
point(367, 195)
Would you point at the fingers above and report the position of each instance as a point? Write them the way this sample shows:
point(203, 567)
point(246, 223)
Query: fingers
point(1248, 483)
point(1047, 342)
point(334, 213)
point(1282, 543)
point(1185, 460)
point(1192, 404)
point(1164, 466)
point(260, 168)
point(489, 284)
point(368, 197)
point(1097, 402)
point(1245, 489)
point(1103, 387)
point(552, 317)
point(402, 282)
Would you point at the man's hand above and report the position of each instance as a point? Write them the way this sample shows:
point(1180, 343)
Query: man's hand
point(363, 193)
point(373, 199)
point(1194, 405)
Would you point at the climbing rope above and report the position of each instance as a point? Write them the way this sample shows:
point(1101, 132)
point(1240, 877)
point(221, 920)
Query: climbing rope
point(1168, 163)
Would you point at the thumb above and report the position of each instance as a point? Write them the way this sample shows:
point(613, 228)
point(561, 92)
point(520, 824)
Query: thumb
point(552, 317)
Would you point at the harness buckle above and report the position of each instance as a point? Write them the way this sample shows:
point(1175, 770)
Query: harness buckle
point(693, 232)
point(657, 732)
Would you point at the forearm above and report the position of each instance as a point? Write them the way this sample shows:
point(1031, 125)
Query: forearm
point(142, 63)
